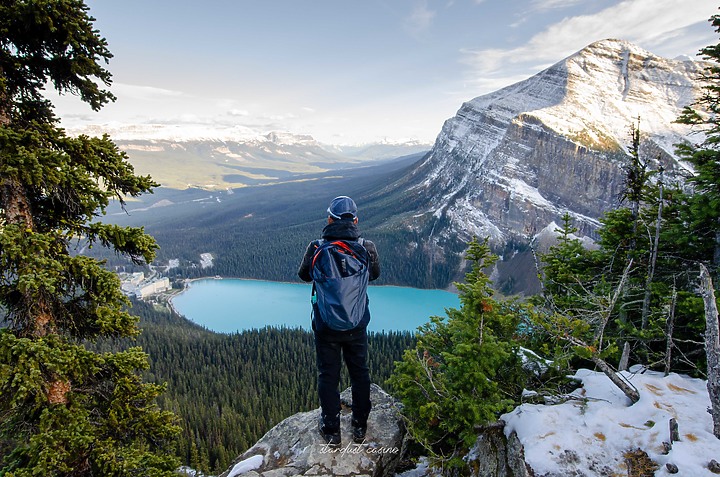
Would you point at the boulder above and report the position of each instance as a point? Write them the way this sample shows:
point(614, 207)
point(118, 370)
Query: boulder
point(295, 447)
point(496, 455)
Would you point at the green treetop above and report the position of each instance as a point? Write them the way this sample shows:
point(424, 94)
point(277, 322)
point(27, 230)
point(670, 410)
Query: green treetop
point(466, 368)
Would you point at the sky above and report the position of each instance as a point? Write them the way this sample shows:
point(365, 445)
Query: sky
point(351, 72)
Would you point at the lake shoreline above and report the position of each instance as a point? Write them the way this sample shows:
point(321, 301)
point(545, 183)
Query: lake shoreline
point(188, 281)
point(232, 304)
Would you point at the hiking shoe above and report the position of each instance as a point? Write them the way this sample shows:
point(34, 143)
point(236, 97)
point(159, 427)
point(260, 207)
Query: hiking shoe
point(359, 433)
point(332, 439)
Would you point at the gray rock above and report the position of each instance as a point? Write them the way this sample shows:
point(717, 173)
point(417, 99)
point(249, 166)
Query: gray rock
point(495, 455)
point(294, 447)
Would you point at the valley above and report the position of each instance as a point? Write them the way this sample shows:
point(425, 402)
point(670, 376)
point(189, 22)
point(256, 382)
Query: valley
point(508, 166)
point(261, 231)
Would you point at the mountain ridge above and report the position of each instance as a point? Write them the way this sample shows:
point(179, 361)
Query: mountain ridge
point(513, 161)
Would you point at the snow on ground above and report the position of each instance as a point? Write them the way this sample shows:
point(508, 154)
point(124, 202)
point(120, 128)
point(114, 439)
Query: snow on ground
point(206, 260)
point(590, 436)
point(246, 465)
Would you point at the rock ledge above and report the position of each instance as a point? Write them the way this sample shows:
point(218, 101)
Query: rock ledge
point(294, 447)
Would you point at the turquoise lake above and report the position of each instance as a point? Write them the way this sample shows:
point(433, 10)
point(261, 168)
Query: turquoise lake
point(230, 305)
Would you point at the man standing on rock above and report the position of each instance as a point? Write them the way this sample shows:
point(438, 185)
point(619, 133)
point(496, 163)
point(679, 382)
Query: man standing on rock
point(340, 265)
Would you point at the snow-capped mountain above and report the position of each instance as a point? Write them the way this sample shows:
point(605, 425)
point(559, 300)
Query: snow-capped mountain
point(191, 155)
point(513, 161)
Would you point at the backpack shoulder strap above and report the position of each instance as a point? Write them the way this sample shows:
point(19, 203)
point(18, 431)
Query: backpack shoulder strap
point(317, 244)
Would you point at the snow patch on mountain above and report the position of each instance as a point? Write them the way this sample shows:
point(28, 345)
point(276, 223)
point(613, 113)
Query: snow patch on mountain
point(549, 236)
point(473, 222)
point(169, 132)
point(554, 143)
point(614, 84)
point(519, 189)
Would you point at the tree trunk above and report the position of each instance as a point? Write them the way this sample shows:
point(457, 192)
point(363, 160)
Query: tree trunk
point(669, 333)
point(16, 209)
point(716, 254)
point(606, 316)
point(712, 346)
point(624, 357)
point(628, 389)
point(14, 203)
point(653, 259)
point(4, 103)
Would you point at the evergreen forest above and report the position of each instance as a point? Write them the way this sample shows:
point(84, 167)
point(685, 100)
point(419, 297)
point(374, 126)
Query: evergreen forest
point(230, 389)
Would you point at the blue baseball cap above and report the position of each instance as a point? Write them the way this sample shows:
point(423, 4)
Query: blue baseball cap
point(342, 207)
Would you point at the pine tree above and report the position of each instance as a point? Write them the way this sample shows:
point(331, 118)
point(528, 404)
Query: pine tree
point(702, 212)
point(636, 175)
point(465, 370)
point(567, 270)
point(66, 410)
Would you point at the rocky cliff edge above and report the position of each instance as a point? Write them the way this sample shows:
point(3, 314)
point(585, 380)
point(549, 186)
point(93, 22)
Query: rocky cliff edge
point(294, 447)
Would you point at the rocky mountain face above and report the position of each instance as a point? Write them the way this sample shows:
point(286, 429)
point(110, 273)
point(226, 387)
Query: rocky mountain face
point(512, 162)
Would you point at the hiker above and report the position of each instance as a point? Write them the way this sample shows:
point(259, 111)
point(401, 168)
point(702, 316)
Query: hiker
point(341, 315)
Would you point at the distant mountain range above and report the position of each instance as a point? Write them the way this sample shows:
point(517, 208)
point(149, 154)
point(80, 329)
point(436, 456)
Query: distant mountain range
point(507, 166)
point(179, 156)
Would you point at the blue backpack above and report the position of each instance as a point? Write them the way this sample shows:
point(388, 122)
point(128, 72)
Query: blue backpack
point(340, 273)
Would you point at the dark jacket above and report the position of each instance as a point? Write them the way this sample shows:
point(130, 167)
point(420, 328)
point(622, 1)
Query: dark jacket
point(340, 230)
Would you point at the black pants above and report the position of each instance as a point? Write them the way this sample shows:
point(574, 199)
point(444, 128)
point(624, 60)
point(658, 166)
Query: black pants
point(330, 351)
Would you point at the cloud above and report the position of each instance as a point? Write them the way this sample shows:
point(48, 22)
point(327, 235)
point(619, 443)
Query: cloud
point(648, 23)
point(132, 91)
point(553, 4)
point(419, 20)
point(280, 117)
point(639, 21)
point(685, 41)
